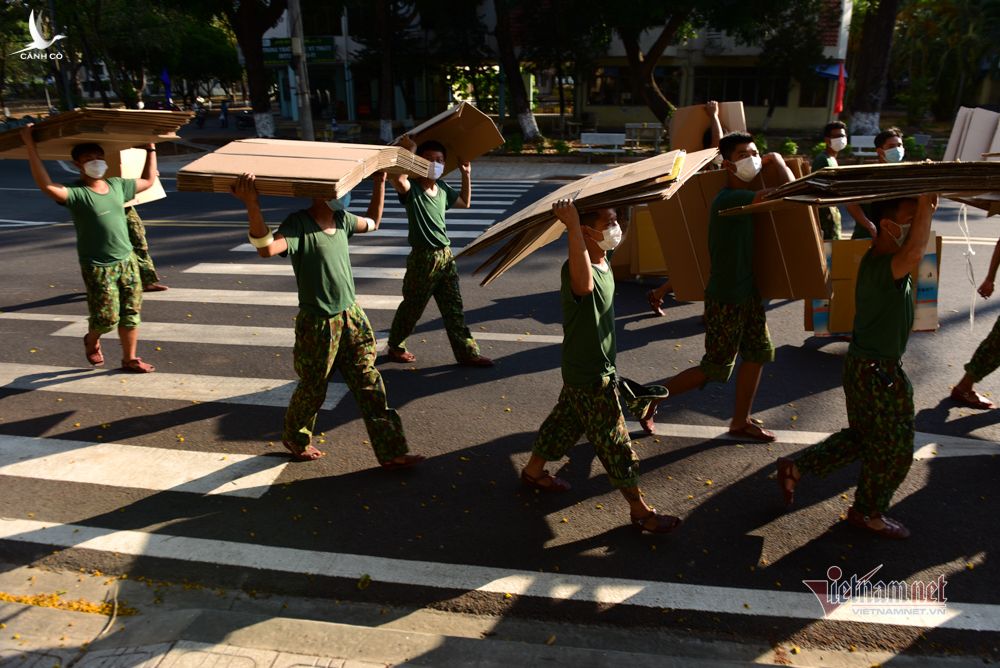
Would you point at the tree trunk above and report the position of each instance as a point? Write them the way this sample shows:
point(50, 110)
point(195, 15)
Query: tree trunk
point(512, 70)
point(386, 92)
point(249, 22)
point(642, 67)
point(871, 75)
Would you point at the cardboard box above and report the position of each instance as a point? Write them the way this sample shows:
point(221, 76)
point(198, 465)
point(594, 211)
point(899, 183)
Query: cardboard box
point(689, 124)
point(464, 131)
point(640, 252)
point(292, 168)
point(129, 164)
point(789, 262)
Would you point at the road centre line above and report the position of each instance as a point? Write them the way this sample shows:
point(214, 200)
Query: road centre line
point(499, 581)
point(138, 467)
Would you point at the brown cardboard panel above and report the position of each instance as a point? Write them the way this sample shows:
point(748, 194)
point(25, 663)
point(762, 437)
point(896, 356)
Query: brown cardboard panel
point(847, 254)
point(464, 131)
point(842, 304)
point(688, 124)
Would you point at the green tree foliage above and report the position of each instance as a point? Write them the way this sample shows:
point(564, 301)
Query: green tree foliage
point(17, 76)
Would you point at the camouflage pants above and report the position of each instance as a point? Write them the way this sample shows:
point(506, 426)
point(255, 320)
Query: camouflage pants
point(114, 295)
point(344, 342)
point(880, 434)
point(829, 222)
point(986, 359)
point(433, 273)
point(732, 329)
point(137, 236)
point(596, 413)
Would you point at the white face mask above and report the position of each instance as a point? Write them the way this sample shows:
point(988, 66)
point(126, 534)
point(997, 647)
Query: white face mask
point(904, 231)
point(838, 143)
point(95, 169)
point(437, 169)
point(612, 237)
point(894, 154)
point(748, 168)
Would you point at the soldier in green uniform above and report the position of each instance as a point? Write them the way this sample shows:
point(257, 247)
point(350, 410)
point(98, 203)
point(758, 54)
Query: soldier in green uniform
point(331, 330)
point(879, 395)
point(589, 401)
point(735, 322)
point(986, 359)
point(835, 136)
point(137, 237)
point(889, 149)
point(107, 262)
point(431, 270)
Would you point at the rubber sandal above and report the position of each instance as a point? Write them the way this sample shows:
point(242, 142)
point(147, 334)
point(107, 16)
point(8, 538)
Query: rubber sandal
point(554, 485)
point(306, 454)
point(402, 356)
point(971, 399)
point(785, 476)
point(893, 529)
point(647, 420)
point(94, 355)
point(655, 304)
point(136, 365)
point(759, 423)
point(154, 287)
point(754, 432)
point(664, 523)
point(409, 461)
point(478, 360)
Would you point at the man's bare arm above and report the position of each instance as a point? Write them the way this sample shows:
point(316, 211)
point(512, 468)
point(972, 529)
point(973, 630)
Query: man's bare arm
point(38, 172)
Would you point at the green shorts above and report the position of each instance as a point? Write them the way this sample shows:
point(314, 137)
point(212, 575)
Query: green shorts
point(732, 329)
point(114, 294)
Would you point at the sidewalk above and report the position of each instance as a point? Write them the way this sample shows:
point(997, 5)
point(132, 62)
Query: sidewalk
point(169, 625)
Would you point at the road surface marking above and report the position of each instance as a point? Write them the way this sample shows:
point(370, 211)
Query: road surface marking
point(260, 297)
point(284, 269)
point(122, 465)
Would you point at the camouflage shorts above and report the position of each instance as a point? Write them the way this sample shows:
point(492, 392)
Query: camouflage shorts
point(986, 359)
point(732, 329)
point(114, 295)
point(596, 413)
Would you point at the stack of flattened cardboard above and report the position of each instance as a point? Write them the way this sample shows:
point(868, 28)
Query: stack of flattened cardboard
point(976, 136)
point(535, 226)
point(297, 168)
point(113, 129)
point(868, 183)
point(788, 260)
point(464, 131)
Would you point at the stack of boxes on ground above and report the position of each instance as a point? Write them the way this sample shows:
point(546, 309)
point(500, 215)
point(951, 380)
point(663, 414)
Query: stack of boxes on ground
point(858, 184)
point(653, 179)
point(116, 130)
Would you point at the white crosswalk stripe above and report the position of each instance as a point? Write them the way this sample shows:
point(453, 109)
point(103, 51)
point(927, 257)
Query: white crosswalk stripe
point(114, 464)
point(160, 385)
point(260, 297)
point(284, 269)
point(355, 248)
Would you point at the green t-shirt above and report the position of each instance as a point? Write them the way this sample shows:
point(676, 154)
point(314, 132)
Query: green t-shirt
point(321, 261)
point(730, 247)
point(101, 228)
point(588, 350)
point(884, 315)
point(823, 160)
point(425, 214)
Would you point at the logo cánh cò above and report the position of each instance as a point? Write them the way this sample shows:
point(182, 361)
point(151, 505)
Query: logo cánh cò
point(38, 43)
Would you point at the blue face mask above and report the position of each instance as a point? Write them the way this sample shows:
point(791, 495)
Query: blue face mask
point(341, 204)
point(894, 154)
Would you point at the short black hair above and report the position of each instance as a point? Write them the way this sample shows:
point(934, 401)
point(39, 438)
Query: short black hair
point(835, 125)
point(80, 149)
point(431, 145)
point(886, 135)
point(729, 143)
point(887, 208)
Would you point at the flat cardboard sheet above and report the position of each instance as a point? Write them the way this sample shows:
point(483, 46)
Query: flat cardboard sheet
point(957, 136)
point(113, 129)
point(689, 124)
point(128, 164)
point(297, 168)
point(978, 135)
point(788, 254)
point(465, 132)
point(535, 226)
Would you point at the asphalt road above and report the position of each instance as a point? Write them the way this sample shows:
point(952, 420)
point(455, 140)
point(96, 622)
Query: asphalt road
point(200, 489)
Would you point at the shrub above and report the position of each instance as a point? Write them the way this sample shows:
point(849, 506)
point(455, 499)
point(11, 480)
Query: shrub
point(561, 147)
point(817, 149)
point(914, 151)
point(515, 143)
point(789, 147)
point(761, 142)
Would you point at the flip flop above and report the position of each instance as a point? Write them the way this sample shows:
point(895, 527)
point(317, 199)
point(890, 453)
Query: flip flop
point(136, 365)
point(785, 475)
point(664, 523)
point(754, 432)
point(971, 399)
point(155, 287)
point(400, 355)
point(306, 454)
point(94, 355)
point(893, 528)
point(409, 461)
point(554, 485)
point(655, 304)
